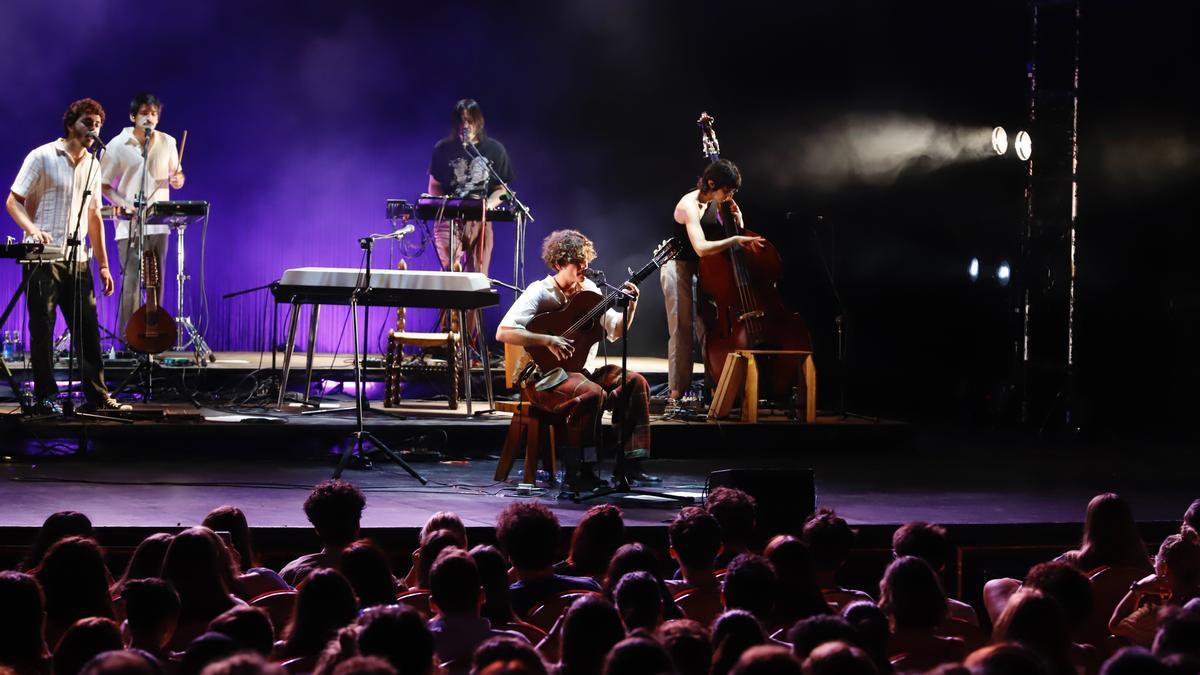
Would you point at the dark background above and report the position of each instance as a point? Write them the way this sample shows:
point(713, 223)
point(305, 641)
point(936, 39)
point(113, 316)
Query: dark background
point(304, 117)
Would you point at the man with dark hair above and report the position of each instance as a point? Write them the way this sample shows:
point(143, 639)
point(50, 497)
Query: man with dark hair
point(929, 543)
point(123, 662)
point(582, 397)
point(639, 600)
point(55, 200)
point(695, 538)
point(735, 512)
point(528, 532)
point(151, 612)
point(334, 507)
point(121, 177)
point(400, 635)
point(808, 634)
point(457, 595)
point(456, 172)
point(698, 226)
point(750, 583)
point(248, 626)
point(829, 540)
point(590, 628)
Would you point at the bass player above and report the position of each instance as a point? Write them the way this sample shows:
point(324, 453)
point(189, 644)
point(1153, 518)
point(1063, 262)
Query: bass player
point(582, 396)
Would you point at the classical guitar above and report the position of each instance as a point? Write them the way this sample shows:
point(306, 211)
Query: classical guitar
point(579, 319)
point(151, 329)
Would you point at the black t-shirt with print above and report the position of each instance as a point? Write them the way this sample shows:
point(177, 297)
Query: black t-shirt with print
point(462, 175)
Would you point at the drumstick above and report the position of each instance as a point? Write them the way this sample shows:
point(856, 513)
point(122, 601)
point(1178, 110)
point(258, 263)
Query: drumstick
point(182, 147)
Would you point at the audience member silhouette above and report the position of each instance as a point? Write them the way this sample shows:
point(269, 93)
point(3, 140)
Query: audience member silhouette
point(930, 543)
point(75, 582)
point(366, 567)
point(1175, 581)
point(735, 511)
point(151, 614)
point(733, 633)
point(22, 624)
point(638, 655)
point(198, 566)
point(1035, 620)
point(399, 635)
point(83, 640)
point(838, 658)
point(131, 662)
point(635, 557)
point(250, 627)
point(829, 539)
point(688, 643)
point(751, 584)
point(590, 629)
point(324, 604)
point(493, 574)
point(504, 655)
point(639, 601)
point(798, 595)
point(457, 595)
point(146, 561)
point(528, 532)
point(57, 526)
point(768, 660)
point(911, 596)
point(251, 580)
point(599, 533)
point(334, 507)
point(1110, 537)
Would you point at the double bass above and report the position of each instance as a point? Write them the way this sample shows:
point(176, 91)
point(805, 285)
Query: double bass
point(739, 302)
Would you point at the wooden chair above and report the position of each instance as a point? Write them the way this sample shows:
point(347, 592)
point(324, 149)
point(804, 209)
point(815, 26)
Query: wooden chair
point(544, 615)
point(536, 430)
point(278, 605)
point(394, 364)
point(419, 600)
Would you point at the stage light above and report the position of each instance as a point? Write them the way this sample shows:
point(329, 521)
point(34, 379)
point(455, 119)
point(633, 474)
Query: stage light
point(1003, 273)
point(973, 270)
point(999, 140)
point(1023, 144)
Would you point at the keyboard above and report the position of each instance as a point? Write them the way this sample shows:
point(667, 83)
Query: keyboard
point(448, 208)
point(389, 288)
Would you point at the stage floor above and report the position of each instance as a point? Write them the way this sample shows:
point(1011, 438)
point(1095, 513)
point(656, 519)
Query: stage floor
point(933, 477)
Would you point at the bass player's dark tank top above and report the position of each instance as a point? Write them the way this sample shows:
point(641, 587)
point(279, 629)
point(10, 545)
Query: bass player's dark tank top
point(713, 230)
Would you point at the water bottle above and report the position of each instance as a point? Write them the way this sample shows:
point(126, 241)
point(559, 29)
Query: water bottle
point(18, 345)
point(9, 351)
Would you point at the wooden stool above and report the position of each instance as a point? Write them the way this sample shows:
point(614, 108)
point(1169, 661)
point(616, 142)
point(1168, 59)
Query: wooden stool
point(740, 377)
point(537, 430)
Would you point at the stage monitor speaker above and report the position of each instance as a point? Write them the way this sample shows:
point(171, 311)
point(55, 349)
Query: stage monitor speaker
point(785, 497)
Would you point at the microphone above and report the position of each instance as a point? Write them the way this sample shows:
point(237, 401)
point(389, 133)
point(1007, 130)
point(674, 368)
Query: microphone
point(400, 232)
point(96, 137)
point(596, 275)
point(464, 136)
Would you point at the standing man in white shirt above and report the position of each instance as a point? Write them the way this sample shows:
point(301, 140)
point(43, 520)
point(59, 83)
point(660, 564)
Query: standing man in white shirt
point(121, 177)
point(58, 182)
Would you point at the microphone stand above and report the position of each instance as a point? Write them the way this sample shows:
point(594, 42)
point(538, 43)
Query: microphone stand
point(521, 213)
point(361, 436)
point(74, 243)
point(620, 482)
point(840, 321)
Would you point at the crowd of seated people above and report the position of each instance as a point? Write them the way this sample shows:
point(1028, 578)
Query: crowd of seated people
point(199, 601)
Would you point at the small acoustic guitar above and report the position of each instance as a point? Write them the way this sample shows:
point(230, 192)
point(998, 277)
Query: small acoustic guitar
point(151, 329)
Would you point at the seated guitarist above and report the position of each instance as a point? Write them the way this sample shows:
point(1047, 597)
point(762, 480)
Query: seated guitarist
point(583, 396)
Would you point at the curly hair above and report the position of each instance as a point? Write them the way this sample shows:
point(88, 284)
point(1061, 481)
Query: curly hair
point(528, 533)
point(83, 106)
point(562, 247)
point(334, 507)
